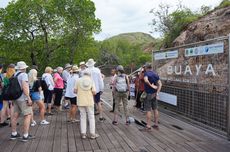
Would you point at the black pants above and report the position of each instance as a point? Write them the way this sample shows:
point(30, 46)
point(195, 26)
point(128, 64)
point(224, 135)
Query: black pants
point(48, 96)
point(58, 96)
point(138, 102)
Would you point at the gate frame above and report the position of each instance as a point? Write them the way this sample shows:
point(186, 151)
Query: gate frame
point(198, 43)
point(228, 104)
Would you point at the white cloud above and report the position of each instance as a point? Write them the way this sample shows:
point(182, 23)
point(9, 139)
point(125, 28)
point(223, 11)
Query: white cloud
point(121, 16)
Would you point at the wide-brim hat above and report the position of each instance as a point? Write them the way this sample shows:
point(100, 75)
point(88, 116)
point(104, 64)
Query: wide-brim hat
point(21, 65)
point(82, 63)
point(68, 66)
point(90, 63)
point(120, 68)
point(86, 83)
point(75, 68)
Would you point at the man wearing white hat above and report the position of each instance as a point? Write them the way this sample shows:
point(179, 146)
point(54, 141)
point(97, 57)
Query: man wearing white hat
point(65, 76)
point(82, 68)
point(99, 84)
point(23, 104)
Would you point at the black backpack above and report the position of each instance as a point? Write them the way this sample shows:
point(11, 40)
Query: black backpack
point(12, 91)
point(44, 84)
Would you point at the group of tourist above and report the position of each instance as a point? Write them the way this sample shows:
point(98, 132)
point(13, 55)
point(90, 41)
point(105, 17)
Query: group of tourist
point(80, 89)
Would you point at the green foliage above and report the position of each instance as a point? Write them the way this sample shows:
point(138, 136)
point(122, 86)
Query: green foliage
point(171, 24)
point(224, 3)
point(125, 49)
point(52, 33)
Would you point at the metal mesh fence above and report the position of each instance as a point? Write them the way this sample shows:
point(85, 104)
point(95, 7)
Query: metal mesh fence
point(200, 95)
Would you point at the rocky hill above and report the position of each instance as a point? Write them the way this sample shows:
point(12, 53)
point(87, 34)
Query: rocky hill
point(214, 24)
point(146, 41)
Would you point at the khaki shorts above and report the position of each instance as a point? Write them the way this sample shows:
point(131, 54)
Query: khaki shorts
point(22, 107)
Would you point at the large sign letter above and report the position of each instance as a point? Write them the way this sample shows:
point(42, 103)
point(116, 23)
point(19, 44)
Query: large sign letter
point(176, 70)
point(187, 70)
point(210, 70)
point(198, 69)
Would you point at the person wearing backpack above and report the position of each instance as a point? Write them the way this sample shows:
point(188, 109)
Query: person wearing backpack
point(122, 91)
point(48, 87)
point(35, 92)
point(23, 104)
point(7, 104)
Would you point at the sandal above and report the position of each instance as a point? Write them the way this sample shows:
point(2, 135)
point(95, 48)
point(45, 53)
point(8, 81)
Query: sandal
point(156, 127)
point(146, 129)
point(94, 136)
point(128, 122)
point(115, 123)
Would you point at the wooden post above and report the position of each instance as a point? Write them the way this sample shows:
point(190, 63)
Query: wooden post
point(228, 104)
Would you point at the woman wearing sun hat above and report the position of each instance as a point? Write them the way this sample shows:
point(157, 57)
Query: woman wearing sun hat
point(71, 95)
point(86, 90)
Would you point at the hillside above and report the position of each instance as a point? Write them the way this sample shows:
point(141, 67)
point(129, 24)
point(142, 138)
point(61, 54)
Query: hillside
point(146, 41)
point(214, 24)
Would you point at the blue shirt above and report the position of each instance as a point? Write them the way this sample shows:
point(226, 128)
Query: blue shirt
point(153, 79)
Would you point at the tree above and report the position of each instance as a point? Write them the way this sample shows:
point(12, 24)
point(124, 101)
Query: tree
point(43, 31)
point(171, 24)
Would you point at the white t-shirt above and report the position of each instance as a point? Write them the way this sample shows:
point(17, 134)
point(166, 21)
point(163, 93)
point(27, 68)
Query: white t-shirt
point(49, 80)
point(71, 82)
point(22, 77)
point(97, 78)
point(65, 75)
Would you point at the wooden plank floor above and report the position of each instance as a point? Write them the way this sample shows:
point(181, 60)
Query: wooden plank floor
point(61, 136)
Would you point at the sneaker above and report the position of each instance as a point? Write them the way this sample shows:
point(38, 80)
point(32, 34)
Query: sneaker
point(75, 121)
point(33, 123)
point(44, 122)
point(12, 137)
point(66, 106)
point(83, 136)
point(4, 124)
point(25, 139)
point(94, 136)
point(102, 119)
point(49, 114)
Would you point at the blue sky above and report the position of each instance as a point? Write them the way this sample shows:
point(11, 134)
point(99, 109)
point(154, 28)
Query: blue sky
point(122, 16)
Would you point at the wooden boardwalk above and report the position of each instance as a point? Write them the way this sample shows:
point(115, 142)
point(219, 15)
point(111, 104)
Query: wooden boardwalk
point(61, 136)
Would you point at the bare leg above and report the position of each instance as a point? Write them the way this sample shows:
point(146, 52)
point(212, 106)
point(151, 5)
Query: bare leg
point(156, 117)
point(3, 111)
point(148, 117)
point(100, 109)
point(41, 109)
point(14, 119)
point(26, 126)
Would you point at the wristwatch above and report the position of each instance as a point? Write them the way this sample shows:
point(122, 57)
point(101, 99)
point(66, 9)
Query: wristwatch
point(157, 94)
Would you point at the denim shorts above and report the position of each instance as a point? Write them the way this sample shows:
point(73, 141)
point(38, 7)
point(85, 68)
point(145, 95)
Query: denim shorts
point(35, 96)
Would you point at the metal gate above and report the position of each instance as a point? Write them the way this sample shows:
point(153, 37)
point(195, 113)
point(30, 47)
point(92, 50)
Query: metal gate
point(196, 81)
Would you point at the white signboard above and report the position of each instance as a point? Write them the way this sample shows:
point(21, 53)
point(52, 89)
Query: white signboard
point(168, 98)
point(205, 50)
point(166, 55)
